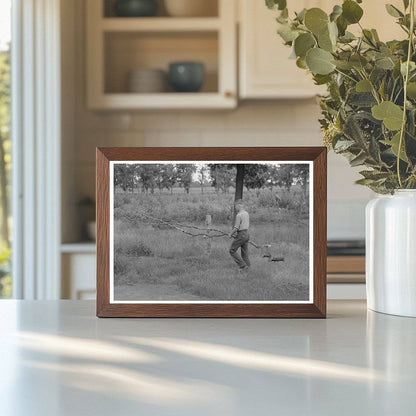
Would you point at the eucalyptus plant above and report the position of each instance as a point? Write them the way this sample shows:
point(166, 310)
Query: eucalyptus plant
point(369, 112)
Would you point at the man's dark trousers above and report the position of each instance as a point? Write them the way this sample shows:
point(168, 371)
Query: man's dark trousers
point(241, 240)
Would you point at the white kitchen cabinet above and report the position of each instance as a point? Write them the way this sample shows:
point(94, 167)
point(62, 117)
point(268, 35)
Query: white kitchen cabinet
point(118, 45)
point(78, 271)
point(265, 70)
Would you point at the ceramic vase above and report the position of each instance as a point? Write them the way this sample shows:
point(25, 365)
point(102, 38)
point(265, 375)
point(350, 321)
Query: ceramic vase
point(391, 253)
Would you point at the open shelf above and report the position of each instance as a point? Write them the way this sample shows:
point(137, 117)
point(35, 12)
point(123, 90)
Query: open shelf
point(108, 9)
point(116, 46)
point(166, 101)
point(160, 24)
point(127, 51)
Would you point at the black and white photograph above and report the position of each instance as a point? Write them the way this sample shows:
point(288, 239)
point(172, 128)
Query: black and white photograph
point(210, 232)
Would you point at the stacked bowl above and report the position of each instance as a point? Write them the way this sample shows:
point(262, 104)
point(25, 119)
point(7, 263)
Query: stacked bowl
point(147, 80)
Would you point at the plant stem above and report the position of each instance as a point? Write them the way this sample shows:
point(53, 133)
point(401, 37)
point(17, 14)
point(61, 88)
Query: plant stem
point(346, 75)
point(406, 80)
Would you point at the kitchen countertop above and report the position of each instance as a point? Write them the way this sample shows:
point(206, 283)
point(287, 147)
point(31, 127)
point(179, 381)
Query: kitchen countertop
point(58, 359)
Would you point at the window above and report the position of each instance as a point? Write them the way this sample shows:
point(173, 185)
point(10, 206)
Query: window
point(5, 145)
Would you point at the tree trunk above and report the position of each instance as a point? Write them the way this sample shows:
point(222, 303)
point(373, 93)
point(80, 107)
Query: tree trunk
point(4, 198)
point(239, 182)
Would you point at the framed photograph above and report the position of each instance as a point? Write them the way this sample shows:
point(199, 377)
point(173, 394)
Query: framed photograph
point(211, 232)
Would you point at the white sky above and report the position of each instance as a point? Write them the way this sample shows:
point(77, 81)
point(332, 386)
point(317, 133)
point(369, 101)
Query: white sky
point(5, 20)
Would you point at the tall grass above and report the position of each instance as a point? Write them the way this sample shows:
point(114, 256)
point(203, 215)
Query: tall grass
point(148, 254)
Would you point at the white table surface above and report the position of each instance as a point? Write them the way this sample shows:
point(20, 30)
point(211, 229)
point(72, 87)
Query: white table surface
point(58, 359)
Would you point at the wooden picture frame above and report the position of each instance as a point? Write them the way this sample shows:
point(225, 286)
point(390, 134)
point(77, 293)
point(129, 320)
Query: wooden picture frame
point(315, 307)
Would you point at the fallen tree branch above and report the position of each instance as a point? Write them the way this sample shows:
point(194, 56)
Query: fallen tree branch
point(206, 232)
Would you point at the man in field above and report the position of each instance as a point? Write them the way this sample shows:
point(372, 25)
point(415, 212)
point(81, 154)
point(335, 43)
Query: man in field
point(241, 236)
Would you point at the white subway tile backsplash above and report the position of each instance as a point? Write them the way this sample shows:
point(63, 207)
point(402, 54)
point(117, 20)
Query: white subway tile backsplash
point(166, 138)
point(148, 120)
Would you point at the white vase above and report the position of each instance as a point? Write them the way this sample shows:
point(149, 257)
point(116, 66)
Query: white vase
point(391, 253)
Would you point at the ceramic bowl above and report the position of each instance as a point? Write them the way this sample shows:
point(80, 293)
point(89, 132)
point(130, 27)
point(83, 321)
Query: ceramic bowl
point(147, 80)
point(186, 76)
point(136, 8)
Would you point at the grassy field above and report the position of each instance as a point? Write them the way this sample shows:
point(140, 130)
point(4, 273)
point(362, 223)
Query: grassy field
point(154, 262)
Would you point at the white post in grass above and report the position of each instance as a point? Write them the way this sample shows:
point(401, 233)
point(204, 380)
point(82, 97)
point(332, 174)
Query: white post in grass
point(208, 222)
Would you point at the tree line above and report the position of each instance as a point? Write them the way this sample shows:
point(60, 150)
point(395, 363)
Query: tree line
point(222, 177)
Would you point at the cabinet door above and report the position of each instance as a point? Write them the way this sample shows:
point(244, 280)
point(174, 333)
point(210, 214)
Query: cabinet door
point(265, 68)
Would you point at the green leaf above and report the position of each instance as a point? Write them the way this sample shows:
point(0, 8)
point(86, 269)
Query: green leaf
point(358, 61)
point(396, 71)
point(388, 112)
point(354, 131)
point(377, 75)
point(412, 67)
point(368, 36)
point(342, 25)
point(301, 63)
point(319, 61)
point(303, 43)
point(321, 79)
point(393, 11)
point(333, 32)
point(364, 181)
point(374, 150)
point(336, 12)
point(411, 90)
point(375, 35)
point(363, 86)
point(316, 20)
point(361, 99)
point(406, 4)
point(374, 175)
point(301, 15)
point(394, 144)
point(283, 17)
point(286, 32)
point(347, 37)
point(381, 89)
point(358, 160)
point(276, 4)
point(343, 145)
point(405, 21)
point(351, 11)
point(325, 42)
point(385, 63)
point(343, 65)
